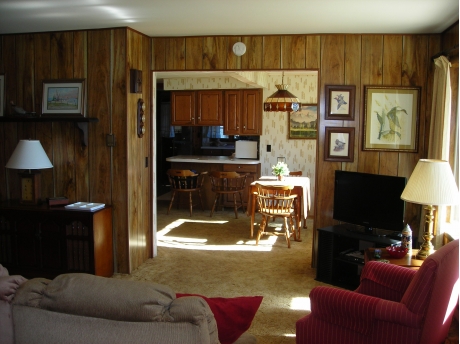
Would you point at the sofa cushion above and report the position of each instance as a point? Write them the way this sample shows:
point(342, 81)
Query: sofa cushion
point(233, 315)
point(100, 297)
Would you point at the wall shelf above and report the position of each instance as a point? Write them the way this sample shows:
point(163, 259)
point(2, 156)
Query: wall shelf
point(80, 122)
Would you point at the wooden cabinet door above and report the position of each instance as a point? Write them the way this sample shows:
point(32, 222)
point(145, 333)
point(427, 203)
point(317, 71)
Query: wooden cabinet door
point(183, 108)
point(232, 112)
point(209, 108)
point(252, 112)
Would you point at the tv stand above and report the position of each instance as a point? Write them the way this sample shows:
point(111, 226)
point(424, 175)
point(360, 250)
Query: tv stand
point(332, 266)
point(366, 231)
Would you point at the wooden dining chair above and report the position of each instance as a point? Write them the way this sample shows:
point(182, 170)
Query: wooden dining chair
point(227, 183)
point(298, 174)
point(295, 174)
point(185, 181)
point(276, 201)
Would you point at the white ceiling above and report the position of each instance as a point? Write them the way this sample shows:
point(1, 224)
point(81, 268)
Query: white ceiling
point(157, 18)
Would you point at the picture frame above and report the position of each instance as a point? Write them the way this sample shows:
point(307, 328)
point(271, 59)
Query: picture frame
point(63, 98)
point(391, 117)
point(340, 102)
point(303, 124)
point(2, 95)
point(339, 144)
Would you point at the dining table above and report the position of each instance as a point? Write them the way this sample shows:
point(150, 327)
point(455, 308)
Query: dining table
point(301, 188)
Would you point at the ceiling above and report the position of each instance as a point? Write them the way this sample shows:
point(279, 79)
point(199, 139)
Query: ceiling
point(158, 18)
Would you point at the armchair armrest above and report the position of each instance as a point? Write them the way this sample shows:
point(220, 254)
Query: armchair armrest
point(385, 281)
point(356, 311)
point(344, 308)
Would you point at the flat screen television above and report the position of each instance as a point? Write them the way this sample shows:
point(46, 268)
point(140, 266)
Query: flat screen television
point(369, 200)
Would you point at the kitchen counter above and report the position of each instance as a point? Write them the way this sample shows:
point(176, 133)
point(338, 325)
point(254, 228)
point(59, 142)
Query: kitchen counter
point(204, 159)
point(229, 147)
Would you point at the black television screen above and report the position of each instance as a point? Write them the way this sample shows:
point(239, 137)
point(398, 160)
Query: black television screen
point(369, 200)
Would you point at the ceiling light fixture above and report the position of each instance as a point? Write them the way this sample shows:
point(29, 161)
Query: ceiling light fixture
point(282, 100)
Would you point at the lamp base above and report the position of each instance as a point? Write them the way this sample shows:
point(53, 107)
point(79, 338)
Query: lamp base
point(427, 247)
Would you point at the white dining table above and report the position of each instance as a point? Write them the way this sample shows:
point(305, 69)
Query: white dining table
point(301, 189)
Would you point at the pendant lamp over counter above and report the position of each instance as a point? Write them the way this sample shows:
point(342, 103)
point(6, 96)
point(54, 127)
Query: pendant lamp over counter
point(282, 100)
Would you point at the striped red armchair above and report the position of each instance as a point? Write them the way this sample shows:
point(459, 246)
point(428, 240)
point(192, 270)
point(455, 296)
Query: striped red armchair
point(392, 305)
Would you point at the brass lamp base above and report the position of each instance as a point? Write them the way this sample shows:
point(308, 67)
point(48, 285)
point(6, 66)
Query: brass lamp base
point(427, 247)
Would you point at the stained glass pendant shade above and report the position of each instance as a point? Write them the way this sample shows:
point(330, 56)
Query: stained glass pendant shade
point(282, 100)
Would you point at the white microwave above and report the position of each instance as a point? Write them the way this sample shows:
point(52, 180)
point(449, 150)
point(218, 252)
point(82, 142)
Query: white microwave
point(246, 149)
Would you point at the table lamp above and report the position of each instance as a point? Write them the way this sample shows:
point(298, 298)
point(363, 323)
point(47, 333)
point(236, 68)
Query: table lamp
point(30, 156)
point(431, 183)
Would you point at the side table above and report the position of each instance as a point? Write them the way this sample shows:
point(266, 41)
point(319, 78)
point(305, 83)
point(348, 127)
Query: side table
point(408, 261)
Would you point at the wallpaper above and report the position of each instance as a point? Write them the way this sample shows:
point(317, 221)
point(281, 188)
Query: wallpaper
point(300, 154)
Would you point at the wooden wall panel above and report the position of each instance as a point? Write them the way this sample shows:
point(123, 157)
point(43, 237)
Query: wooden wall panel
point(159, 53)
point(233, 61)
point(253, 57)
point(272, 52)
point(293, 52)
point(312, 52)
point(175, 54)
point(215, 53)
point(192, 45)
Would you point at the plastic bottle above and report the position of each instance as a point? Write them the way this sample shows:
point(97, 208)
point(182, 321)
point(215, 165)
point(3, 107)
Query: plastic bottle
point(406, 239)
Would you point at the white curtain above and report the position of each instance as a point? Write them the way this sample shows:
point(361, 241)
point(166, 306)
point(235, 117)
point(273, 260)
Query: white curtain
point(439, 138)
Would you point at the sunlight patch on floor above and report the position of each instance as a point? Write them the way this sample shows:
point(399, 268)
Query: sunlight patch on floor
point(265, 245)
point(300, 304)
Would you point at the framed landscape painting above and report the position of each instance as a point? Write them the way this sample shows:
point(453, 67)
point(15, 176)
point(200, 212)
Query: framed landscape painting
point(303, 124)
point(391, 118)
point(63, 98)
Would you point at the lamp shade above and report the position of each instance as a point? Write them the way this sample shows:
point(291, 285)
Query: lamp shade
point(282, 100)
point(432, 183)
point(29, 155)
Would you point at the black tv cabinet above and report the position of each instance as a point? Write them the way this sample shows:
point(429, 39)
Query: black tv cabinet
point(332, 267)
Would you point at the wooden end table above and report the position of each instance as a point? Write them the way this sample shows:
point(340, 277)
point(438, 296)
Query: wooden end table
point(408, 261)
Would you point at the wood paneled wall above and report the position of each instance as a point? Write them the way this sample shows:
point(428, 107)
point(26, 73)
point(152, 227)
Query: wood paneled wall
point(115, 176)
point(380, 59)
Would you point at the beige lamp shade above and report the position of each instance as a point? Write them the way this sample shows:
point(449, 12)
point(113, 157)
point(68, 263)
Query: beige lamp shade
point(432, 183)
point(29, 155)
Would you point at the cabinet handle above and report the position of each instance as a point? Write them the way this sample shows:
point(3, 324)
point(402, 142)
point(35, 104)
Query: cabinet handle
point(244, 127)
point(237, 127)
point(199, 118)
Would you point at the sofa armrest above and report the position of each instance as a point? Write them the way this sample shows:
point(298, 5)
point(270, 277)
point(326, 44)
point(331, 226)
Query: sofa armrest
point(385, 281)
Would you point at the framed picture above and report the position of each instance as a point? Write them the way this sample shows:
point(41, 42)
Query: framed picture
point(63, 98)
point(391, 118)
point(339, 144)
point(2, 95)
point(303, 124)
point(340, 102)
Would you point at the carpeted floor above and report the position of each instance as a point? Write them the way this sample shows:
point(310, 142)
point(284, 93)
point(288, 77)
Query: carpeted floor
point(215, 257)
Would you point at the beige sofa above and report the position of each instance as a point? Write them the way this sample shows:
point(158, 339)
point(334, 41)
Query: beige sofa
point(82, 308)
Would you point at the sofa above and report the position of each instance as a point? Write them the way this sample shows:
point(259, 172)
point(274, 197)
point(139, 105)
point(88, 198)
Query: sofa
point(83, 308)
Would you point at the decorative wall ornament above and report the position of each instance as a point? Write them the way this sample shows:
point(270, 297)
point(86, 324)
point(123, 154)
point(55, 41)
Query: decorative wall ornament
point(64, 98)
point(339, 144)
point(303, 124)
point(340, 102)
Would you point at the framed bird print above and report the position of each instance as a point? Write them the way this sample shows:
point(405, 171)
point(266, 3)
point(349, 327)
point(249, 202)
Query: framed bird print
point(303, 124)
point(339, 144)
point(391, 118)
point(340, 102)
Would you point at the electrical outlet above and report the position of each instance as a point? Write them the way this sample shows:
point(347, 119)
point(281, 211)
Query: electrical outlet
point(269, 148)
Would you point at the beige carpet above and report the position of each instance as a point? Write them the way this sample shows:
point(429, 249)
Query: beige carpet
point(215, 257)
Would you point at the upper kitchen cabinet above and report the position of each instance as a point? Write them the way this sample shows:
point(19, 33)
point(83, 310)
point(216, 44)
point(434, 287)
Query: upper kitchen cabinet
point(183, 108)
point(243, 112)
point(202, 108)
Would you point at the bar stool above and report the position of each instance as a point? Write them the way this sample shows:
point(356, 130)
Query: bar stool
point(185, 181)
point(226, 183)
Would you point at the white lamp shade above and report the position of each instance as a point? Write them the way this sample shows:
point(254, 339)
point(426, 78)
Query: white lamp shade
point(432, 183)
point(29, 155)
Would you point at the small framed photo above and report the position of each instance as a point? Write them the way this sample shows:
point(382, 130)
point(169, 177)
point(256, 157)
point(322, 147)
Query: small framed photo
point(391, 118)
point(2, 95)
point(303, 124)
point(339, 144)
point(63, 98)
point(340, 102)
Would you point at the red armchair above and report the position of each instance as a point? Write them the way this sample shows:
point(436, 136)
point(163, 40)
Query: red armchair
point(393, 304)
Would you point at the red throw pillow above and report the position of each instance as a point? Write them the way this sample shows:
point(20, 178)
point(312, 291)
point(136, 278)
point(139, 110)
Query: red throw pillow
point(233, 315)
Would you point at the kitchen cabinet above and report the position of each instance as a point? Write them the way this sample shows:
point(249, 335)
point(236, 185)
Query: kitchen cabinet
point(203, 108)
point(243, 112)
